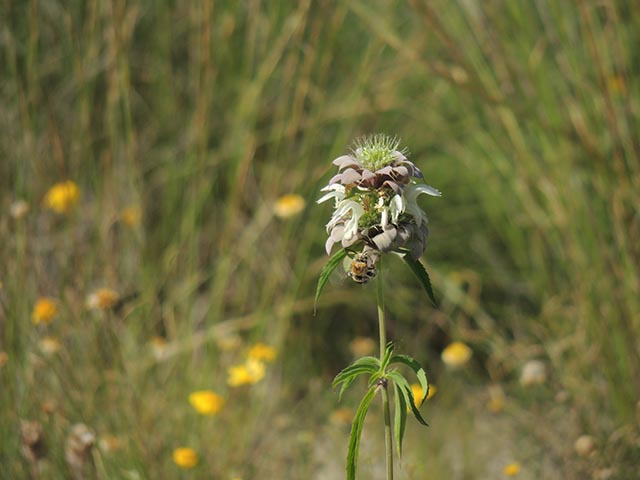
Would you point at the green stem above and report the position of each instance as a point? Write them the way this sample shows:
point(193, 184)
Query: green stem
point(385, 393)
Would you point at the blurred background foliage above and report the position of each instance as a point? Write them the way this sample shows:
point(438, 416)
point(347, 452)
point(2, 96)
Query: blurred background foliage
point(202, 114)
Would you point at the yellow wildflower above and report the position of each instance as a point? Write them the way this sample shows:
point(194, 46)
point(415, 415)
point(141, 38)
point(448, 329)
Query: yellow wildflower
point(248, 374)
point(44, 310)
point(289, 205)
point(102, 299)
point(361, 346)
point(4, 358)
point(456, 354)
point(512, 469)
point(159, 347)
point(262, 352)
point(416, 390)
point(342, 416)
point(109, 443)
point(206, 402)
point(131, 216)
point(617, 84)
point(185, 457)
point(496, 399)
point(49, 345)
point(62, 197)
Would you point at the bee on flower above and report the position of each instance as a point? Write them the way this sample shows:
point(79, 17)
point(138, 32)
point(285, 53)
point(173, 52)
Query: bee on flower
point(375, 196)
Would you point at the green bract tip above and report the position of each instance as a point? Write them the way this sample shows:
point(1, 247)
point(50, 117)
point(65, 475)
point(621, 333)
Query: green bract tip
point(376, 151)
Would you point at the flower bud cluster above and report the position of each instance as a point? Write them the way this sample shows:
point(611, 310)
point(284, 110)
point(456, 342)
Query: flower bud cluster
point(375, 193)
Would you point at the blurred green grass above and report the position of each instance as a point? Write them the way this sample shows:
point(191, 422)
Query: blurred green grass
point(203, 113)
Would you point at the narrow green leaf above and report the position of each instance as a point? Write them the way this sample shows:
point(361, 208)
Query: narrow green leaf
point(387, 355)
point(417, 369)
point(356, 432)
point(400, 418)
point(368, 361)
point(418, 269)
point(405, 389)
point(361, 366)
point(327, 270)
point(346, 384)
point(346, 379)
point(358, 369)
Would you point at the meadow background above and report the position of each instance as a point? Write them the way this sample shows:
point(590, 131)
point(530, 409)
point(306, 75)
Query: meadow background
point(183, 123)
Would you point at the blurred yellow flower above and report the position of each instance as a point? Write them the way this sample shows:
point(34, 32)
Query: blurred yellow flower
point(131, 216)
point(512, 469)
point(617, 84)
point(248, 374)
point(62, 197)
point(206, 402)
point(289, 205)
point(416, 390)
point(185, 457)
point(18, 209)
point(362, 346)
point(342, 416)
point(102, 299)
point(109, 443)
point(456, 354)
point(159, 347)
point(496, 399)
point(44, 310)
point(50, 345)
point(262, 352)
point(4, 358)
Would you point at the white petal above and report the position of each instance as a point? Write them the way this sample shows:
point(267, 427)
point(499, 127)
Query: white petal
point(385, 217)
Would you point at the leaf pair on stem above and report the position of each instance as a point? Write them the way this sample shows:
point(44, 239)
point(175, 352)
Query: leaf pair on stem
point(381, 372)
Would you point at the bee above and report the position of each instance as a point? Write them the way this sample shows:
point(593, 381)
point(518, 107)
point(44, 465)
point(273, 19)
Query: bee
point(362, 268)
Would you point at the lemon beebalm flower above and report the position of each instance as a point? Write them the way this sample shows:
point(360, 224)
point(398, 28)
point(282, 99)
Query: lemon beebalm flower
point(185, 457)
point(456, 354)
point(44, 311)
point(206, 402)
point(62, 197)
point(262, 352)
point(249, 373)
point(102, 299)
point(512, 469)
point(289, 205)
